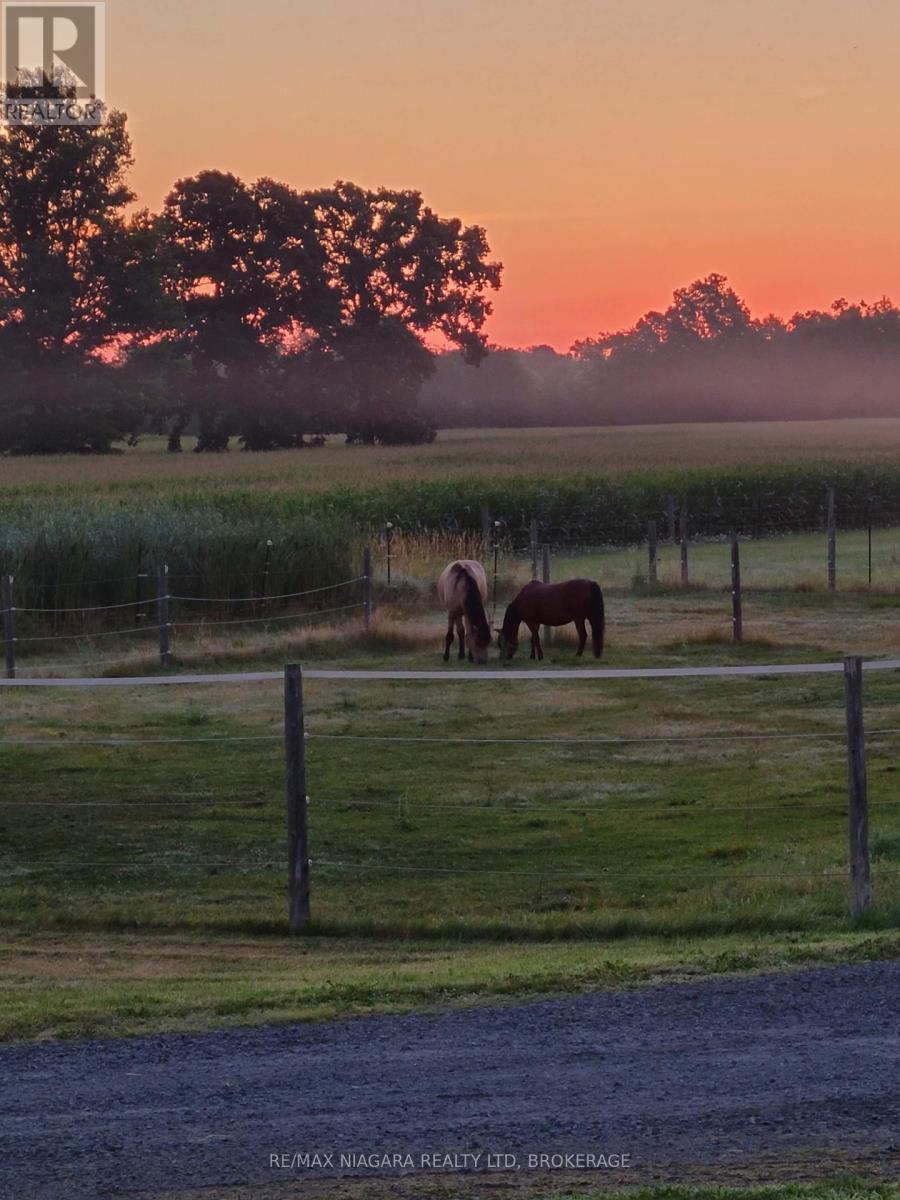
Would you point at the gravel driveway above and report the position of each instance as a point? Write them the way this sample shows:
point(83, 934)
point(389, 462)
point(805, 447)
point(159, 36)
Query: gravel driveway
point(693, 1074)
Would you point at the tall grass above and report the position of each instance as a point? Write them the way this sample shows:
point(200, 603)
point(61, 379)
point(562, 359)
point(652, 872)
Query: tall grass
point(97, 555)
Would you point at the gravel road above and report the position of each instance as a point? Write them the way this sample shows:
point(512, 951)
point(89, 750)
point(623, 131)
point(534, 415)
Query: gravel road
point(692, 1074)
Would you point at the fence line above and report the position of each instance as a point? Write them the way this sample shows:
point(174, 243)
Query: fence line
point(328, 587)
point(164, 864)
point(65, 743)
point(587, 874)
point(452, 675)
point(295, 738)
point(596, 808)
point(163, 625)
point(69, 637)
point(57, 612)
point(599, 741)
point(318, 612)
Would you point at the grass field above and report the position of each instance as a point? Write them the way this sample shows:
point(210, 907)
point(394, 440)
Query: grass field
point(143, 884)
point(157, 893)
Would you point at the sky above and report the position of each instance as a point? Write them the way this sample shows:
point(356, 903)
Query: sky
point(613, 149)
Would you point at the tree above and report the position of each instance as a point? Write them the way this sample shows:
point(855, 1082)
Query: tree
point(379, 369)
point(248, 270)
point(398, 272)
point(708, 310)
point(77, 281)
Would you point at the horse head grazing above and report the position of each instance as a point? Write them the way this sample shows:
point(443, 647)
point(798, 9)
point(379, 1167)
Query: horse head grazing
point(478, 622)
point(508, 638)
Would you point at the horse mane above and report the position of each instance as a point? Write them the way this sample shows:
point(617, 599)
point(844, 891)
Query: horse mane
point(474, 606)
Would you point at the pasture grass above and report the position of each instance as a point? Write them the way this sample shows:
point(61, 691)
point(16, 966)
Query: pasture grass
point(142, 886)
point(442, 872)
point(75, 984)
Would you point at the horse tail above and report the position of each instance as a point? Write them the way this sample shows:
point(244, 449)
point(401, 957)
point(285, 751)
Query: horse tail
point(598, 619)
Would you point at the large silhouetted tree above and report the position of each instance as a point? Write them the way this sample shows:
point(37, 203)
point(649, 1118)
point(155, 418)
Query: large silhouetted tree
point(351, 280)
point(78, 281)
point(398, 272)
point(248, 270)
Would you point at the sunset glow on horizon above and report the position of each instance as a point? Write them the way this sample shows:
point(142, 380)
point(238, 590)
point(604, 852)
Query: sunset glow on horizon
point(613, 151)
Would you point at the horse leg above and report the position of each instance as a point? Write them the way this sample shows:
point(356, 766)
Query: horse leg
point(461, 633)
point(582, 637)
point(536, 642)
point(467, 626)
point(448, 640)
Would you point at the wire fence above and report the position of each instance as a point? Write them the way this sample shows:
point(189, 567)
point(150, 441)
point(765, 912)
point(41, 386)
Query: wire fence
point(387, 805)
point(672, 557)
point(166, 621)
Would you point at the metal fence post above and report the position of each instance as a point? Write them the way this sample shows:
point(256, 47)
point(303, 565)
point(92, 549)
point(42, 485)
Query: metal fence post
point(832, 542)
point(266, 570)
point(297, 799)
point(545, 575)
point(9, 626)
point(496, 567)
point(162, 611)
point(737, 613)
point(684, 548)
point(858, 806)
point(367, 587)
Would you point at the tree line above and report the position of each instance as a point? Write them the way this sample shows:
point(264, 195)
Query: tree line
point(256, 312)
point(248, 311)
point(704, 358)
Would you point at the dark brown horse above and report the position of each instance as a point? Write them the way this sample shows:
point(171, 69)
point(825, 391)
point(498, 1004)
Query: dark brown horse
point(538, 604)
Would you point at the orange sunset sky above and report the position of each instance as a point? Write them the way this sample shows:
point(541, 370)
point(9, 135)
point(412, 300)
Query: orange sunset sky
point(614, 150)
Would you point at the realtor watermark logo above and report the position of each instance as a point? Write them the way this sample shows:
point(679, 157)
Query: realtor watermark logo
point(54, 62)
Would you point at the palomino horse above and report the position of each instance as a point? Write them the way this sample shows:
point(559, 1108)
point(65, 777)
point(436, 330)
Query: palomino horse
point(462, 589)
point(538, 604)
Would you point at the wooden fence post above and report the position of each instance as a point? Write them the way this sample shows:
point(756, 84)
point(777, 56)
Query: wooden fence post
point(684, 547)
point(545, 575)
point(9, 627)
point(162, 613)
point(652, 571)
point(670, 514)
point(832, 538)
point(367, 587)
point(496, 567)
point(737, 614)
point(534, 549)
point(858, 808)
point(297, 799)
point(389, 547)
